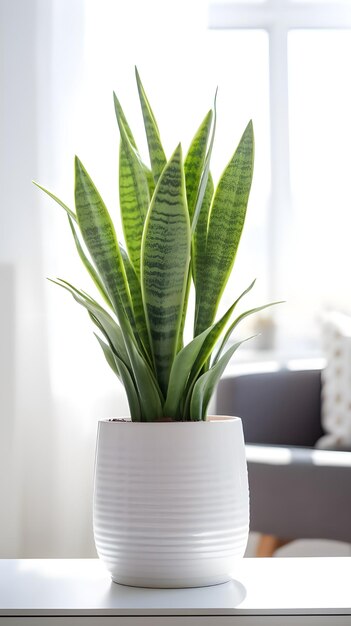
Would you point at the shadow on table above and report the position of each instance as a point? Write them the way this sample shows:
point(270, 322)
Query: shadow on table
point(224, 596)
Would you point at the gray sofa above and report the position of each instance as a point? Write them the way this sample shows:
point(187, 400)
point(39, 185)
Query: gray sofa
point(296, 491)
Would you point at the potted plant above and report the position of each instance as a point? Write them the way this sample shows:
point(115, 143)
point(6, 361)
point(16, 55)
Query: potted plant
point(171, 494)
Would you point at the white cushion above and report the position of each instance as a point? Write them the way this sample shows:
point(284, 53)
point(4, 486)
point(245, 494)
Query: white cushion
point(336, 382)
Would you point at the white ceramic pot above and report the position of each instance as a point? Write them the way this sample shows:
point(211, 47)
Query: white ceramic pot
point(171, 501)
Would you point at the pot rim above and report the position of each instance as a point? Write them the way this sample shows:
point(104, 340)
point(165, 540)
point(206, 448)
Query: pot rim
point(211, 419)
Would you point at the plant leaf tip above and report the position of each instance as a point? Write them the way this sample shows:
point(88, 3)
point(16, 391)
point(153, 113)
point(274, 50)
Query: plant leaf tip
point(78, 164)
point(137, 75)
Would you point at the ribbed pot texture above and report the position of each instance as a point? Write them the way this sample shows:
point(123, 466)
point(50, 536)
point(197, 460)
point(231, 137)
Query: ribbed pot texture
point(171, 501)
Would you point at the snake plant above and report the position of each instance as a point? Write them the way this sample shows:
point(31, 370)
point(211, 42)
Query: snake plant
point(178, 230)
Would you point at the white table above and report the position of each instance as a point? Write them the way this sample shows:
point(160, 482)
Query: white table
point(263, 592)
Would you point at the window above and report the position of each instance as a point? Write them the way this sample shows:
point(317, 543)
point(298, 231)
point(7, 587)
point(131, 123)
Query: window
point(308, 250)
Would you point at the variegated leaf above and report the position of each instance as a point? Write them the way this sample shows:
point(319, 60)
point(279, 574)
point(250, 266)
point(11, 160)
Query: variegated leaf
point(157, 155)
point(226, 223)
point(100, 238)
point(134, 195)
point(165, 264)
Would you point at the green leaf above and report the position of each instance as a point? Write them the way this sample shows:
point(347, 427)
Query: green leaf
point(214, 335)
point(138, 306)
point(72, 218)
point(105, 322)
point(193, 169)
point(157, 156)
point(151, 399)
point(131, 391)
point(121, 119)
point(194, 177)
point(179, 376)
point(200, 237)
point(133, 189)
point(184, 312)
point(194, 162)
point(165, 264)
point(120, 116)
point(224, 231)
point(150, 180)
point(91, 270)
point(206, 172)
point(115, 338)
point(123, 373)
point(201, 361)
point(206, 384)
point(133, 210)
point(100, 238)
point(62, 204)
point(237, 321)
point(150, 395)
point(109, 356)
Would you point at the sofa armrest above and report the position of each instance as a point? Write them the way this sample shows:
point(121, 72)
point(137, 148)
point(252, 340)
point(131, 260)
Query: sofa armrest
point(282, 407)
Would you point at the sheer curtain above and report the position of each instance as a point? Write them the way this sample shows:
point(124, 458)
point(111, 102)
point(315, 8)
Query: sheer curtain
point(26, 441)
point(61, 60)
point(53, 383)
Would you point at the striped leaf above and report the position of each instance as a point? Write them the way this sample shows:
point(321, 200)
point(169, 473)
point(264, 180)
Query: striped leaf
point(88, 265)
point(206, 385)
point(184, 312)
point(150, 181)
point(195, 178)
point(100, 238)
point(200, 236)
point(134, 195)
point(72, 218)
point(157, 156)
point(193, 168)
point(226, 223)
point(138, 306)
point(165, 264)
point(206, 172)
point(121, 119)
point(98, 234)
point(194, 162)
point(133, 210)
point(120, 115)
